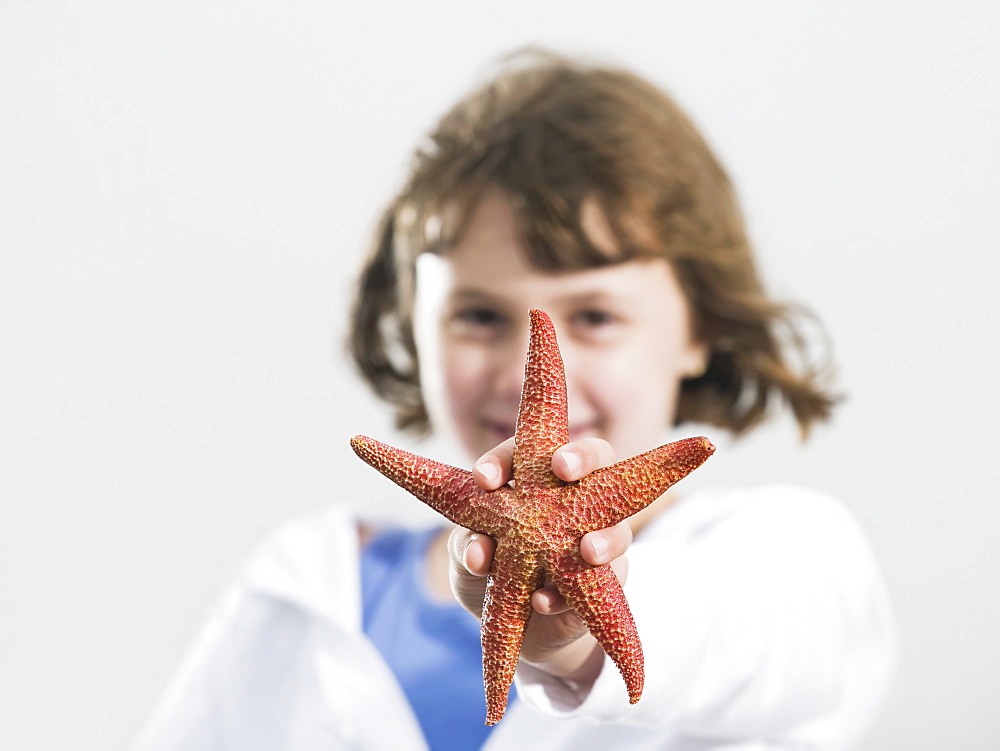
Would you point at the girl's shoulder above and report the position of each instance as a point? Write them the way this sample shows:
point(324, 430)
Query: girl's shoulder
point(781, 503)
point(776, 544)
point(785, 521)
point(312, 561)
point(320, 533)
point(309, 562)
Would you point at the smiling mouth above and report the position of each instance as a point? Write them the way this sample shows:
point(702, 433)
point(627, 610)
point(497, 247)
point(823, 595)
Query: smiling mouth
point(503, 431)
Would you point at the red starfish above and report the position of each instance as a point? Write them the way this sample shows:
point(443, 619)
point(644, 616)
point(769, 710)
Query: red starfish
point(538, 522)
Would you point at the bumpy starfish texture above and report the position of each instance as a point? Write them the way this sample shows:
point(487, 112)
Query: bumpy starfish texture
point(538, 522)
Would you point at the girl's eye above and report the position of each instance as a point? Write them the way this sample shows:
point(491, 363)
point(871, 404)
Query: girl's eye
point(596, 325)
point(478, 317)
point(593, 318)
point(479, 322)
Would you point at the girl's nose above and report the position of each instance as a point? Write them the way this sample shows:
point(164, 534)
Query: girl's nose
point(510, 365)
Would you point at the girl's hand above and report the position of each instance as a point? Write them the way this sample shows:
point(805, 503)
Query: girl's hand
point(556, 640)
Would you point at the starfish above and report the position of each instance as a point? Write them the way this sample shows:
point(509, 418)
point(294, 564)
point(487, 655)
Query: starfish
point(538, 521)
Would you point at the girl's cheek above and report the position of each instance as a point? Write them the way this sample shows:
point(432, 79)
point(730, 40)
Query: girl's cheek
point(598, 391)
point(463, 377)
point(629, 394)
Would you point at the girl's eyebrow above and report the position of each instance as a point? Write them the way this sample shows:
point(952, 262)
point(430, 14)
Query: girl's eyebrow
point(584, 296)
point(474, 294)
point(574, 298)
point(590, 297)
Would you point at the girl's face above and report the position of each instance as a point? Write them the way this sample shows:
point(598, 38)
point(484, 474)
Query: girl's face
point(624, 333)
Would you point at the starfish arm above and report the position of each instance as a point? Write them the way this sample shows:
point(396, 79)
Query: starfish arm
point(515, 574)
point(609, 495)
point(450, 491)
point(542, 426)
point(597, 597)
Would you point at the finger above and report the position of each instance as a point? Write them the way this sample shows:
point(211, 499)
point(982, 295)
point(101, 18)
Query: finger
point(479, 555)
point(579, 458)
point(605, 545)
point(495, 468)
point(469, 587)
point(470, 553)
point(547, 601)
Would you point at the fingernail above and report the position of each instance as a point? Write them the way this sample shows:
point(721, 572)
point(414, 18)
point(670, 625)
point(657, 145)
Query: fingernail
point(572, 463)
point(489, 472)
point(465, 553)
point(600, 548)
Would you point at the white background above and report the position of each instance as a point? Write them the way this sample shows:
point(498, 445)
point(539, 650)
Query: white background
point(185, 192)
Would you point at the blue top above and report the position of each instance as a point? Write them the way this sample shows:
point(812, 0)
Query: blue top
point(432, 648)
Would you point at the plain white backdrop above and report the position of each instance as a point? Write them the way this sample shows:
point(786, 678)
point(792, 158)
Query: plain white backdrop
point(186, 189)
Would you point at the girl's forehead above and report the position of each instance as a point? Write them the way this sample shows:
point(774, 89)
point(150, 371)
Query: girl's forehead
point(472, 273)
point(498, 221)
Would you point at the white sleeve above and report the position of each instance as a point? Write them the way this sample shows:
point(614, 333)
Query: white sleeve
point(281, 666)
point(765, 613)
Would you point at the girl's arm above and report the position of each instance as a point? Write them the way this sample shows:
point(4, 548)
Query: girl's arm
point(763, 614)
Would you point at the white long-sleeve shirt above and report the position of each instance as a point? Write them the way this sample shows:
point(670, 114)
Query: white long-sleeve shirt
point(762, 614)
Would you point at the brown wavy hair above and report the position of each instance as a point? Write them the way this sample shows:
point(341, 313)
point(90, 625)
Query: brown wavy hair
point(552, 133)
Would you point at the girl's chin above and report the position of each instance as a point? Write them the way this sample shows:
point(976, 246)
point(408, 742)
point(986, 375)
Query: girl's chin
point(491, 438)
point(478, 441)
point(587, 431)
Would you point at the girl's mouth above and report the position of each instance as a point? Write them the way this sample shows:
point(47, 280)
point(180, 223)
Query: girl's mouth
point(501, 431)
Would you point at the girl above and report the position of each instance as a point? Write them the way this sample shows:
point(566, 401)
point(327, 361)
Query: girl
point(585, 192)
